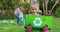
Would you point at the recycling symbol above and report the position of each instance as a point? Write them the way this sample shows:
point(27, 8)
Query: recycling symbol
point(37, 22)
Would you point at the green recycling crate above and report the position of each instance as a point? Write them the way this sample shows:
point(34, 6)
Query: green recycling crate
point(38, 21)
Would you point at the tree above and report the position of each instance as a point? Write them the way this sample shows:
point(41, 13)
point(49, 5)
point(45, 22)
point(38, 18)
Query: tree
point(48, 6)
point(56, 2)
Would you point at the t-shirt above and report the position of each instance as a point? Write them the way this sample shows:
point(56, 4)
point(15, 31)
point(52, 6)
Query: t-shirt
point(17, 11)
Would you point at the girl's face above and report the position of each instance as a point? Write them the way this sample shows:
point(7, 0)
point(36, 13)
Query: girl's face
point(34, 9)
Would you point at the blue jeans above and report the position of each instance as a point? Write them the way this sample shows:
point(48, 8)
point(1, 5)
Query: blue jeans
point(19, 19)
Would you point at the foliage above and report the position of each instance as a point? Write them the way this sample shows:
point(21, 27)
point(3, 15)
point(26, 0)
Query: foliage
point(7, 7)
point(58, 11)
point(26, 5)
point(9, 4)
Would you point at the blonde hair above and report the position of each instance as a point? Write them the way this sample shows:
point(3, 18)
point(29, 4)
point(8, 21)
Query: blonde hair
point(34, 3)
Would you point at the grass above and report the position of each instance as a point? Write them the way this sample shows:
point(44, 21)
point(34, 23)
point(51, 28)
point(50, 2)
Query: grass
point(56, 25)
point(14, 28)
point(10, 27)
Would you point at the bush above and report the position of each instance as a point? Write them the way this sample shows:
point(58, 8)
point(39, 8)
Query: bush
point(26, 7)
point(8, 6)
point(58, 12)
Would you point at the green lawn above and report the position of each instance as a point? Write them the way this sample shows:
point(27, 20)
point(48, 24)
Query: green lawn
point(56, 25)
point(14, 28)
point(11, 27)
